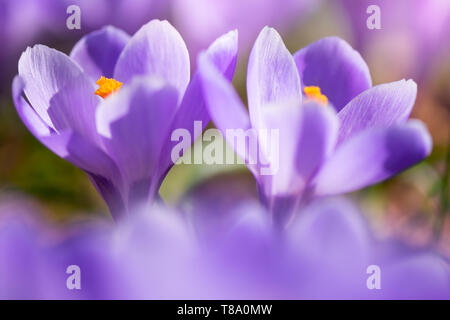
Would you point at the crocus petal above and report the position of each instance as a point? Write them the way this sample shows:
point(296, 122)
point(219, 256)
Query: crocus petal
point(85, 155)
point(307, 136)
point(335, 67)
point(318, 135)
point(283, 122)
point(224, 105)
point(372, 156)
point(157, 49)
point(73, 108)
point(430, 274)
point(381, 106)
point(331, 230)
point(272, 78)
point(333, 246)
point(45, 71)
point(28, 115)
point(134, 125)
point(223, 54)
point(97, 52)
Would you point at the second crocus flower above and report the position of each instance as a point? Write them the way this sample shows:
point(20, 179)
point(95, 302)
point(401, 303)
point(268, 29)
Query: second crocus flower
point(337, 133)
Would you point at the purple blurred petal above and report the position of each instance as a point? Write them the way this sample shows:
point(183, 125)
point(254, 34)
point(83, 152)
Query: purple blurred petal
point(372, 156)
point(97, 52)
point(333, 65)
point(272, 78)
point(333, 232)
point(45, 71)
point(419, 276)
point(158, 50)
point(381, 106)
point(134, 124)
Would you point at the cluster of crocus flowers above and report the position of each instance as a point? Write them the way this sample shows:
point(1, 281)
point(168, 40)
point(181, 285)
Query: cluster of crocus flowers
point(337, 132)
point(110, 107)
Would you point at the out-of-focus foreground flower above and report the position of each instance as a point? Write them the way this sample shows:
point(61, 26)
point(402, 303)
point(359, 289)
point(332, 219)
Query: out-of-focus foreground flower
point(120, 136)
point(158, 253)
point(337, 133)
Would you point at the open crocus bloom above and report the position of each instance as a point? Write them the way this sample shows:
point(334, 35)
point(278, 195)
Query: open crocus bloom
point(119, 131)
point(336, 132)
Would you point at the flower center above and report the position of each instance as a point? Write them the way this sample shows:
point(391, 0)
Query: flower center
point(107, 86)
point(313, 93)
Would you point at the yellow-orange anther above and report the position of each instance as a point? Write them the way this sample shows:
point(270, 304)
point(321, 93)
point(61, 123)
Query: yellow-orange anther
point(313, 93)
point(107, 86)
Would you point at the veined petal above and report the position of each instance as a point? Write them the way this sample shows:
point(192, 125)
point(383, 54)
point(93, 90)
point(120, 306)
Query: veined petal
point(380, 106)
point(97, 52)
point(272, 78)
point(157, 50)
point(373, 156)
point(73, 108)
point(27, 114)
point(134, 125)
point(333, 65)
point(45, 71)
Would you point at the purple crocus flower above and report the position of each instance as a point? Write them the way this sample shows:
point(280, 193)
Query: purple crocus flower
point(337, 133)
point(120, 138)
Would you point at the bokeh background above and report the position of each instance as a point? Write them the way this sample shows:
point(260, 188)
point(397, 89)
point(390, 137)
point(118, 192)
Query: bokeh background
point(413, 42)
